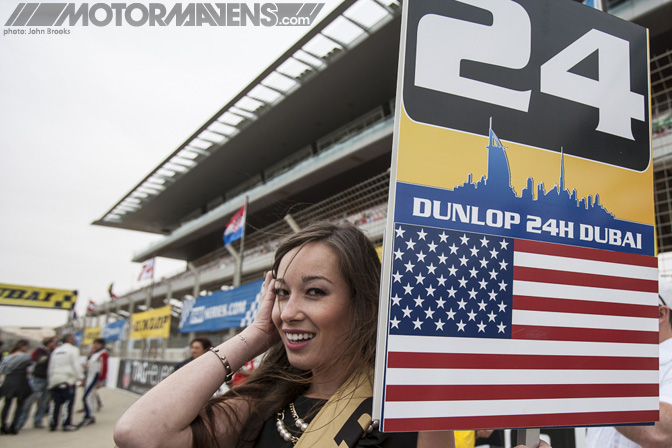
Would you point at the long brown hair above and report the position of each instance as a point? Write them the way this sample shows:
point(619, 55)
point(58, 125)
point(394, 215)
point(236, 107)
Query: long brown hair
point(19, 345)
point(276, 382)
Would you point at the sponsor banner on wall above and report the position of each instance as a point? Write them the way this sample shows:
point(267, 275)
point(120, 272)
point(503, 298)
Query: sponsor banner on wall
point(90, 334)
point(138, 375)
point(33, 296)
point(223, 309)
point(115, 331)
point(151, 324)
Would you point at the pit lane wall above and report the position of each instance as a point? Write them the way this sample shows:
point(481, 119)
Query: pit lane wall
point(137, 375)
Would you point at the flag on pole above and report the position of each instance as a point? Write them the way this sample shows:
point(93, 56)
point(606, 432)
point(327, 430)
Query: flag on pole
point(234, 229)
point(113, 296)
point(91, 308)
point(147, 270)
point(498, 332)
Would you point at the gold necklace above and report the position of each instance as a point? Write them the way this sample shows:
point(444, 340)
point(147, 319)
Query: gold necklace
point(302, 425)
point(282, 429)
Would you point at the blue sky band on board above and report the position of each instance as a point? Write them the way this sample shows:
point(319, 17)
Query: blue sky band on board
point(555, 215)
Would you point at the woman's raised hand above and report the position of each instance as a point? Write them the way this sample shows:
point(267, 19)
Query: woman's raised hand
point(162, 416)
point(263, 321)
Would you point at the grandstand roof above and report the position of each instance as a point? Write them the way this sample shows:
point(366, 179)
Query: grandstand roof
point(343, 68)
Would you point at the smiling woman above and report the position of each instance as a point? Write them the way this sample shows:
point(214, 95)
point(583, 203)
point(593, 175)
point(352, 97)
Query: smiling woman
point(317, 326)
point(312, 312)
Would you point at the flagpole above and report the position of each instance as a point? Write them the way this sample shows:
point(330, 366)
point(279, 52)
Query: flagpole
point(149, 305)
point(151, 290)
point(528, 437)
point(239, 270)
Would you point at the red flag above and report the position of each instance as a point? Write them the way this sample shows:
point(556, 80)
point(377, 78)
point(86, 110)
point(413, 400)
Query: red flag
point(147, 270)
point(92, 307)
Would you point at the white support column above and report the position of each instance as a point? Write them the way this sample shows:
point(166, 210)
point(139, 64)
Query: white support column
point(290, 221)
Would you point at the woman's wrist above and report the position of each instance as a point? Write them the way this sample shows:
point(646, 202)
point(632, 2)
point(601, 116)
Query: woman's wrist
point(254, 341)
point(241, 348)
point(228, 376)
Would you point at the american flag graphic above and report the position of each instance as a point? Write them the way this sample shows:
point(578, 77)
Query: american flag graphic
point(495, 332)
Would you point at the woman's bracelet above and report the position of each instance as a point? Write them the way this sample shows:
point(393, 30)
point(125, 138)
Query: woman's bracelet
point(228, 378)
point(242, 338)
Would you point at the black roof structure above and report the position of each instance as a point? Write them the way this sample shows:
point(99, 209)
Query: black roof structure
point(346, 82)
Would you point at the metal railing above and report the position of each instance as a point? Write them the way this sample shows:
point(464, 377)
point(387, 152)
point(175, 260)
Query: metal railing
point(354, 127)
point(360, 204)
point(661, 93)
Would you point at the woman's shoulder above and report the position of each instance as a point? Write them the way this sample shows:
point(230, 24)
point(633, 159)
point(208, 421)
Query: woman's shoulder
point(24, 361)
point(15, 361)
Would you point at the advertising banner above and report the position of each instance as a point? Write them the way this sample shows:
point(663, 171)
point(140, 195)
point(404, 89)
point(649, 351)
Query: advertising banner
point(37, 297)
point(151, 324)
point(519, 285)
point(90, 334)
point(138, 376)
point(223, 309)
point(115, 331)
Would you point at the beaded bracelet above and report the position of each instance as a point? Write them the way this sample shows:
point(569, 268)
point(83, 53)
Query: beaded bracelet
point(228, 379)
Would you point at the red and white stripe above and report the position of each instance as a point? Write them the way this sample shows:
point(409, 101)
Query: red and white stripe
point(583, 350)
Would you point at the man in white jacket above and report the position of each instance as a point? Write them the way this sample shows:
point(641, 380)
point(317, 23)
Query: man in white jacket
point(65, 372)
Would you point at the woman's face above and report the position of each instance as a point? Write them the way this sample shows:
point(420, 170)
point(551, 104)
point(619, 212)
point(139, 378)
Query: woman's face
point(312, 308)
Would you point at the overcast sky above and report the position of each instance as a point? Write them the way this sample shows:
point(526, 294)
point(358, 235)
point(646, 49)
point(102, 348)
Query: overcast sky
point(84, 118)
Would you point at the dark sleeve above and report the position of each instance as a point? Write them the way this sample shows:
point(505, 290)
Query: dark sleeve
point(389, 440)
point(26, 361)
point(182, 363)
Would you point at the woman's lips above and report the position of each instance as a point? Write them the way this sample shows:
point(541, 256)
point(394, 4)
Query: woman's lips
point(298, 339)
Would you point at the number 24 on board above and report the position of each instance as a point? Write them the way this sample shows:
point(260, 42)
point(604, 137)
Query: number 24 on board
point(507, 43)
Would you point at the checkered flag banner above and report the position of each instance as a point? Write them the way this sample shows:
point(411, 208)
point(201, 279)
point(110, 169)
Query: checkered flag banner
point(251, 313)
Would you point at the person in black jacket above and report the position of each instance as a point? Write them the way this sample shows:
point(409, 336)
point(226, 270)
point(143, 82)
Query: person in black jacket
point(198, 346)
point(16, 385)
point(41, 394)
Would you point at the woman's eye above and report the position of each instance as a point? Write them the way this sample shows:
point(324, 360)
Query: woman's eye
point(281, 292)
point(315, 292)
